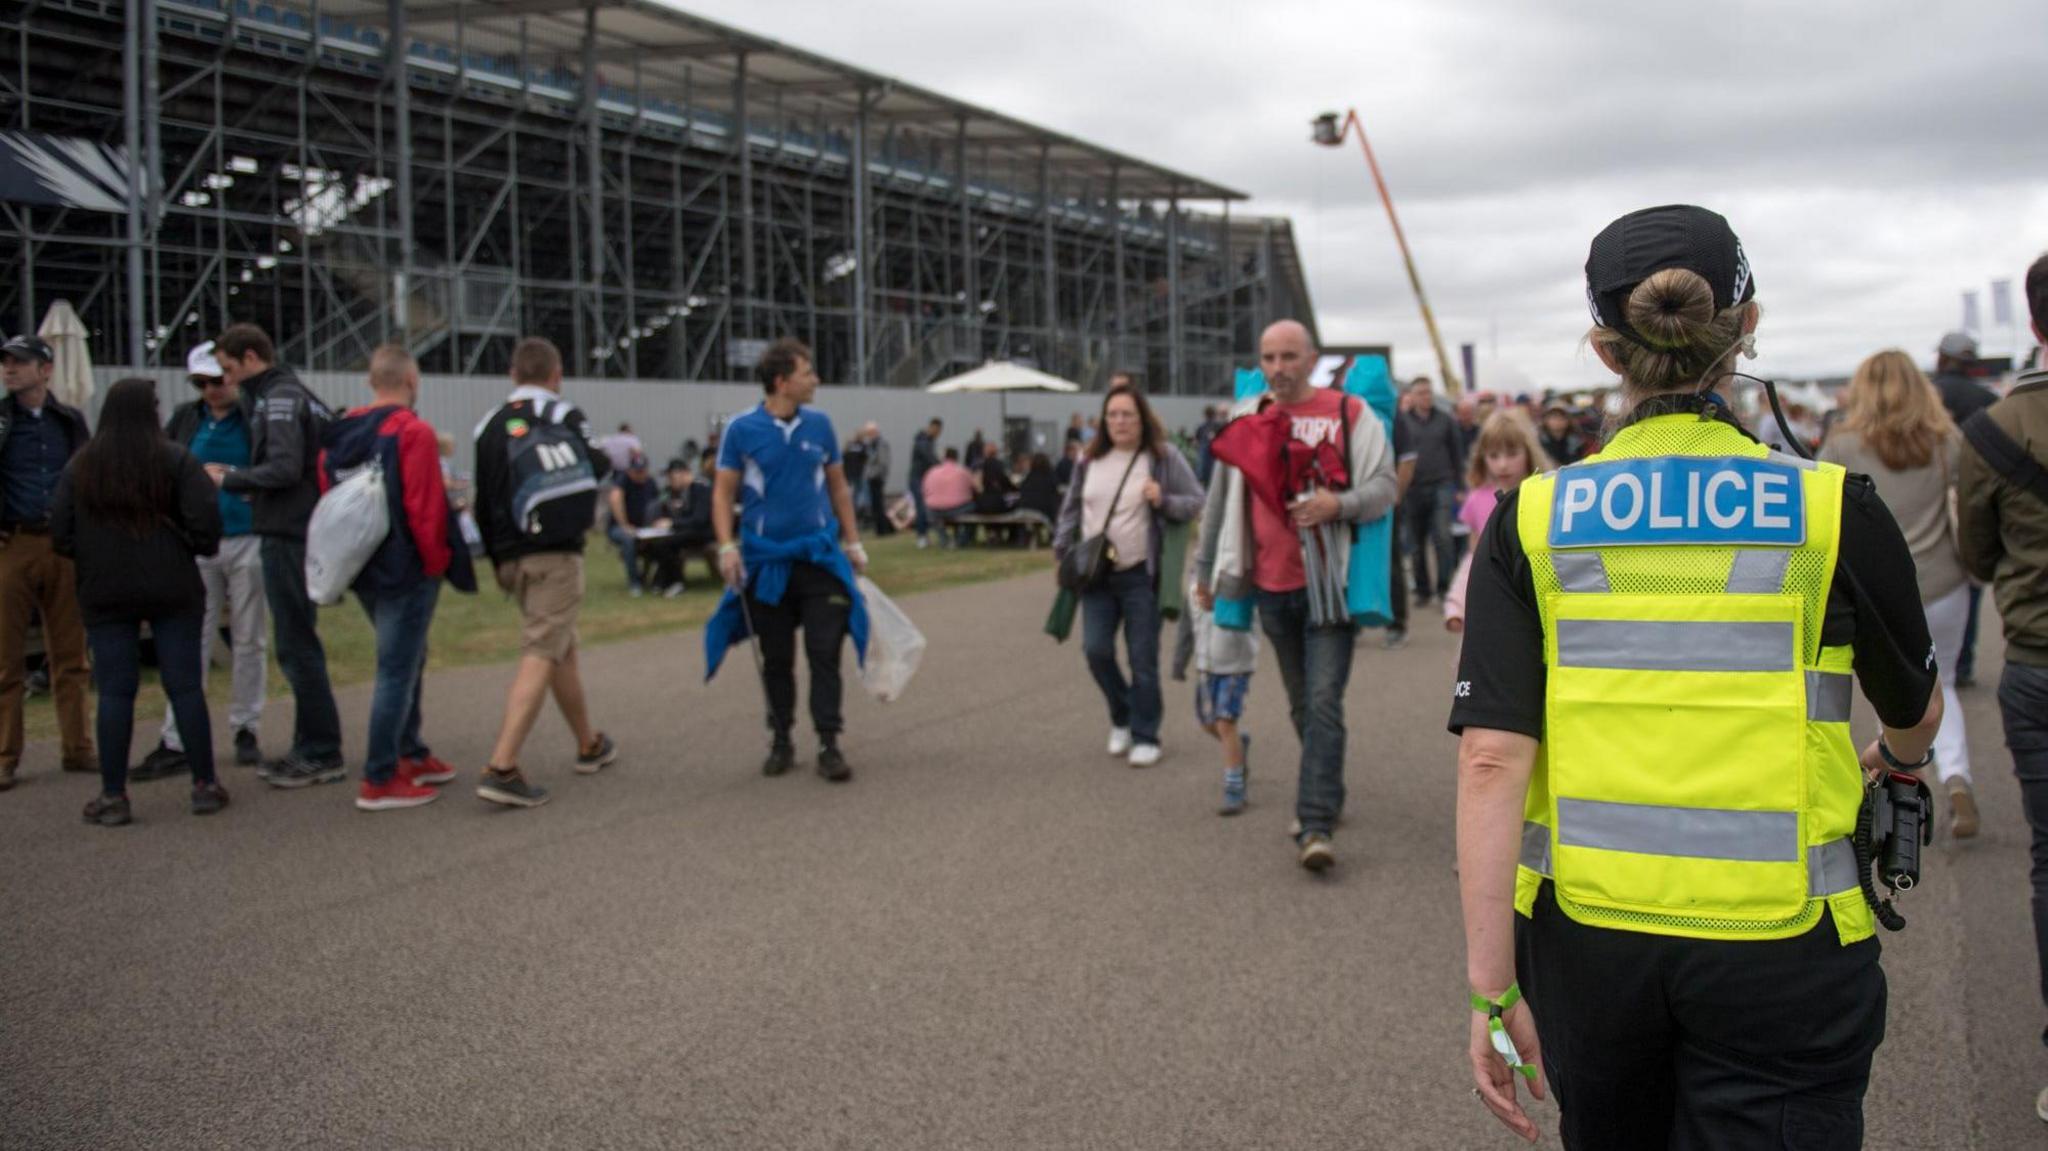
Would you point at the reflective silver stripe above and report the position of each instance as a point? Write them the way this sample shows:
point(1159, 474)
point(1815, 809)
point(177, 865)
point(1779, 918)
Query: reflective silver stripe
point(1758, 571)
point(1690, 832)
point(1831, 868)
point(1790, 460)
point(1536, 847)
point(1828, 696)
point(1664, 645)
point(1580, 571)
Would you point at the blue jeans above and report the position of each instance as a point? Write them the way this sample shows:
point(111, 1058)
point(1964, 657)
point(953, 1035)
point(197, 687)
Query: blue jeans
point(401, 620)
point(1127, 598)
point(1427, 512)
point(2023, 701)
point(1315, 667)
point(629, 551)
point(924, 515)
point(117, 668)
point(316, 724)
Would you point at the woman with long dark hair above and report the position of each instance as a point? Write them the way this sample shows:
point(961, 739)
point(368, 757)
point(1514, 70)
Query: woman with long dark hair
point(1129, 484)
point(134, 511)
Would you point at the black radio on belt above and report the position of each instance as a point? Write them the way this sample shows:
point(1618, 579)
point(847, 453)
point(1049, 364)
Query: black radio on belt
point(1896, 821)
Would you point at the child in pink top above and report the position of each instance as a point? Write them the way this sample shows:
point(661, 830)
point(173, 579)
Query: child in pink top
point(1506, 453)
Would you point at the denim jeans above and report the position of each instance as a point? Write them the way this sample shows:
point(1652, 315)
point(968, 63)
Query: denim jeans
point(1125, 598)
point(117, 668)
point(629, 551)
point(401, 620)
point(316, 725)
point(1315, 667)
point(1427, 511)
point(2023, 702)
point(924, 515)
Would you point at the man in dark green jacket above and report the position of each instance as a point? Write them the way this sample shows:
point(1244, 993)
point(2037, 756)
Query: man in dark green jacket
point(2003, 504)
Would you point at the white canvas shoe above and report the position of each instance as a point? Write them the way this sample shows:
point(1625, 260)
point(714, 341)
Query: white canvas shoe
point(1119, 740)
point(1145, 755)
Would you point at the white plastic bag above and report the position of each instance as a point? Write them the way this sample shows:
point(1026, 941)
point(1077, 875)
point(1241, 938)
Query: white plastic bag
point(348, 524)
point(895, 646)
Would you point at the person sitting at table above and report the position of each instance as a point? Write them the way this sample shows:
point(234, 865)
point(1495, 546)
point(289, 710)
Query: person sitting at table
point(948, 495)
point(685, 510)
point(632, 498)
point(1040, 490)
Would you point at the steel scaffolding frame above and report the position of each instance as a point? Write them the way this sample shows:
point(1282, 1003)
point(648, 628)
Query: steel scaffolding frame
point(657, 193)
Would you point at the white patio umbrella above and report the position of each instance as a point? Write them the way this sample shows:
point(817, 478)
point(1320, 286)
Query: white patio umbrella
point(71, 374)
point(1002, 377)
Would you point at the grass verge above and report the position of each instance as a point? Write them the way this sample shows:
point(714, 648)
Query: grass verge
point(484, 628)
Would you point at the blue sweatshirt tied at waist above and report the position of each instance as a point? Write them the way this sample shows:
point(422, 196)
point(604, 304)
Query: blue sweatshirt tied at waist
point(767, 563)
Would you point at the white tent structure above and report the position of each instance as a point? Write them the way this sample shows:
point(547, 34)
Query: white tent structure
point(1002, 377)
point(71, 374)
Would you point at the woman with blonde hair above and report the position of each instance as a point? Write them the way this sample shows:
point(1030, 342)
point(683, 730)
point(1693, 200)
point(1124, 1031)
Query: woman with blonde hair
point(1894, 429)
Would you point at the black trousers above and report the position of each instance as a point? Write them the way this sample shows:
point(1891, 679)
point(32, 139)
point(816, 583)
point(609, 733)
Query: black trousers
point(879, 508)
point(1651, 1041)
point(819, 604)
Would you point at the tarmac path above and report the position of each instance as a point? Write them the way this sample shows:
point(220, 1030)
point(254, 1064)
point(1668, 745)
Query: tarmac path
point(994, 937)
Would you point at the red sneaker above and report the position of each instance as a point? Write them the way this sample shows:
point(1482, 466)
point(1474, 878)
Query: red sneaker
point(425, 770)
point(399, 792)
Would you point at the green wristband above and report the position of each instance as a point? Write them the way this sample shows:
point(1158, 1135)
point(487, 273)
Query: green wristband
point(1497, 1031)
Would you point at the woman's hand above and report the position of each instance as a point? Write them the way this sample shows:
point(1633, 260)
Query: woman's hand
point(1495, 1080)
point(1153, 494)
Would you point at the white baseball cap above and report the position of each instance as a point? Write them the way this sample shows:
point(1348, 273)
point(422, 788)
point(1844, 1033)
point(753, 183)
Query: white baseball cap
point(200, 361)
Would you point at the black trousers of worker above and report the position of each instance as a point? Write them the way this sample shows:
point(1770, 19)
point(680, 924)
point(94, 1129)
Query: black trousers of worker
point(1651, 1041)
point(818, 603)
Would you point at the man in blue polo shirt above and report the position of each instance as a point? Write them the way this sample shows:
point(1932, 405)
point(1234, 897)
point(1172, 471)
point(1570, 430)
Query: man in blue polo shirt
point(792, 554)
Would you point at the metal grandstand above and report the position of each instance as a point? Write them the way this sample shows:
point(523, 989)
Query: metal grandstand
point(658, 193)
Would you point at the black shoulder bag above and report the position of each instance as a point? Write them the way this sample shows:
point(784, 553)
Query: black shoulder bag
point(1089, 562)
point(2005, 456)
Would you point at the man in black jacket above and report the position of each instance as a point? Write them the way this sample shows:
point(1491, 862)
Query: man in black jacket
point(282, 483)
point(1955, 362)
point(38, 436)
point(537, 553)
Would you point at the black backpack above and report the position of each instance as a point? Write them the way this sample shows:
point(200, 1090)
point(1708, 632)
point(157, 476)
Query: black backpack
point(554, 488)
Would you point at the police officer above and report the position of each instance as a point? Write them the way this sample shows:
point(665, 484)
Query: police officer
point(1656, 784)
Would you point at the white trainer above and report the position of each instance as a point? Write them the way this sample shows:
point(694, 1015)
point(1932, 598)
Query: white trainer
point(1145, 755)
point(1119, 741)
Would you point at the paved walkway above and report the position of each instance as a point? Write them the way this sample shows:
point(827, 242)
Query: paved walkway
point(995, 937)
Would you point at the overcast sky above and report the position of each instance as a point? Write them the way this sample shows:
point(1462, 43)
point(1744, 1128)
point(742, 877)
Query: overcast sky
point(1876, 157)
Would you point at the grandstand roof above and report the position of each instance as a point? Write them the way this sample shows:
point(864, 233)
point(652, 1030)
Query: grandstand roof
point(673, 53)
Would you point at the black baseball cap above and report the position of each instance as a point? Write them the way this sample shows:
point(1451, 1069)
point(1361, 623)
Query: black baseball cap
point(27, 347)
point(1641, 244)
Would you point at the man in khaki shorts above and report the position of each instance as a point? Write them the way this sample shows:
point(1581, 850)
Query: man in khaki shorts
point(537, 473)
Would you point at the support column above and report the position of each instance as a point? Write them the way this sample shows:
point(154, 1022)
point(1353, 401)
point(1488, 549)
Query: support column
point(131, 99)
point(1049, 263)
point(1174, 326)
point(744, 153)
point(152, 156)
point(968, 286)
point(401, 99)
point(1116, 260)
point(593, 140)
point(860, 241)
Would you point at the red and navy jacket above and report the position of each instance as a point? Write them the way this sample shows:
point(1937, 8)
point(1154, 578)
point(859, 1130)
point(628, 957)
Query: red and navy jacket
point(417, 548)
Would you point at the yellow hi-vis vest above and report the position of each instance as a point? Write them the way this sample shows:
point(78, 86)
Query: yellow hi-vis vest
point(1696, 775)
